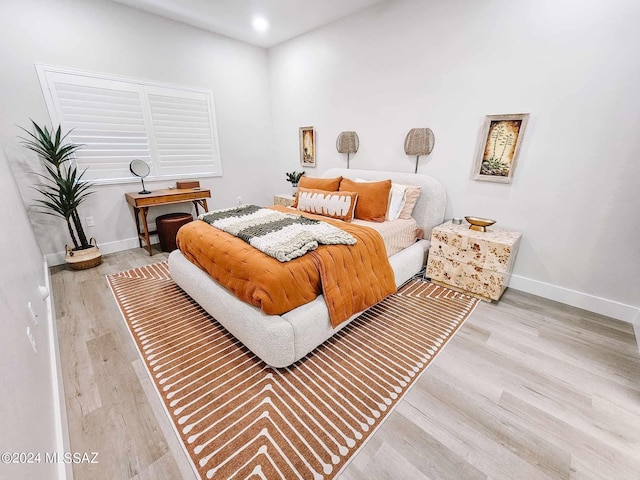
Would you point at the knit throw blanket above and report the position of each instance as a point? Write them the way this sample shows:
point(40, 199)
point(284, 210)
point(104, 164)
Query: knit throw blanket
point(283, 236)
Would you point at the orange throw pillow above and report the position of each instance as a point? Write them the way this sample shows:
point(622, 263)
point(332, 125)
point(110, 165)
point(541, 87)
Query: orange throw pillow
point(327, 184)
point(339, 205)
point(373, 198)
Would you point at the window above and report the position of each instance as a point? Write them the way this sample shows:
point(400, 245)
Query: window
point(117, 120)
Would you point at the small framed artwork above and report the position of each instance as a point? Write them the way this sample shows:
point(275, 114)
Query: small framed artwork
point(499, 146)
point(307, 147)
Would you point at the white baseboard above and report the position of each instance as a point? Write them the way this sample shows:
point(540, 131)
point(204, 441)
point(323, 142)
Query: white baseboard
point(64, 470)
point(110, 247)
point(603, 306)
point(636, 329)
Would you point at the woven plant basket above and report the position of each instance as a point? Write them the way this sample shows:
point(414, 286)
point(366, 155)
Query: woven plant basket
point(85, 258)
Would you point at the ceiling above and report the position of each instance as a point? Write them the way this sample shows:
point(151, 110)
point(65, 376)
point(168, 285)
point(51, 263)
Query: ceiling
point(233, 18)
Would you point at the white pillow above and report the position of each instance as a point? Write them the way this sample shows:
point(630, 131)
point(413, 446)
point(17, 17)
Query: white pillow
point(396, 201)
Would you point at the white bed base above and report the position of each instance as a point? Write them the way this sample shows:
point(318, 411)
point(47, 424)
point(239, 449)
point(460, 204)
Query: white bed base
point(280, 340)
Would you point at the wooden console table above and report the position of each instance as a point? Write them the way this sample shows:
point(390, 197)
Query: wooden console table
point(141, 203)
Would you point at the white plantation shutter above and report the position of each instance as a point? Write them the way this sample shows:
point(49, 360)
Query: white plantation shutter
point(184, 132)
point(107, 118)
point(118, 120)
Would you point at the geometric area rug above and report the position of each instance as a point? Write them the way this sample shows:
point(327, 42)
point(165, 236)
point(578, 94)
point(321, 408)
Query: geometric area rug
point(238, 418)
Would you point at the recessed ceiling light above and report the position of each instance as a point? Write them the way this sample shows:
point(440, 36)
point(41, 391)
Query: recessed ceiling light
point(260, 24)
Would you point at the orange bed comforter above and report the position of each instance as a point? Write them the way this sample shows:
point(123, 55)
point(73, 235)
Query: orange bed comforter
point(352, 278)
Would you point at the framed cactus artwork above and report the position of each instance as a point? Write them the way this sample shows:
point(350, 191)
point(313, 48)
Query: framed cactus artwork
point(499, 147)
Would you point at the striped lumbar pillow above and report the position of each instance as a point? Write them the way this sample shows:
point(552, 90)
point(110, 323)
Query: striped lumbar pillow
point(340, 205)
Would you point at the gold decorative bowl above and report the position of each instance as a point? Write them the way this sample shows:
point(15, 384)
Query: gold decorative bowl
point(479, 224)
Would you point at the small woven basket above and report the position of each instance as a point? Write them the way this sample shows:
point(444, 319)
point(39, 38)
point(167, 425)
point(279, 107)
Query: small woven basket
point(85, 258)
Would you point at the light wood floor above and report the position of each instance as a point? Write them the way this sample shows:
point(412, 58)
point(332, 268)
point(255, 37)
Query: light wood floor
point(527, 389)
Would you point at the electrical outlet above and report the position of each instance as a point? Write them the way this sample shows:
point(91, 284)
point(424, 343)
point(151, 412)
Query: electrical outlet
point(32, 340)
point(90, 222)
point(239, 200)
point(34, 317)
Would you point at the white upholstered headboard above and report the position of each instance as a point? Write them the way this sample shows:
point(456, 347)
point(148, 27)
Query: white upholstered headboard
point(429, 210)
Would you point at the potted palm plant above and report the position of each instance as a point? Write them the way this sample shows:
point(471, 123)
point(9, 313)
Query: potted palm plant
point(63, 190)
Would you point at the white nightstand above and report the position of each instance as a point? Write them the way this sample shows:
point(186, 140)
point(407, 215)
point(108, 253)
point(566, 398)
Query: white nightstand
point(477, 263)
point(284, 199)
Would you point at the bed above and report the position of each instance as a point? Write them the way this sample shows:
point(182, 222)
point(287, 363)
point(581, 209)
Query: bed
point(280, 340)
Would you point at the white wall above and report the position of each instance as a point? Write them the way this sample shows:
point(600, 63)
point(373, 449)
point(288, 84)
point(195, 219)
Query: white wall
point(106, 37)
point(28, 414)
point(445, 64)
